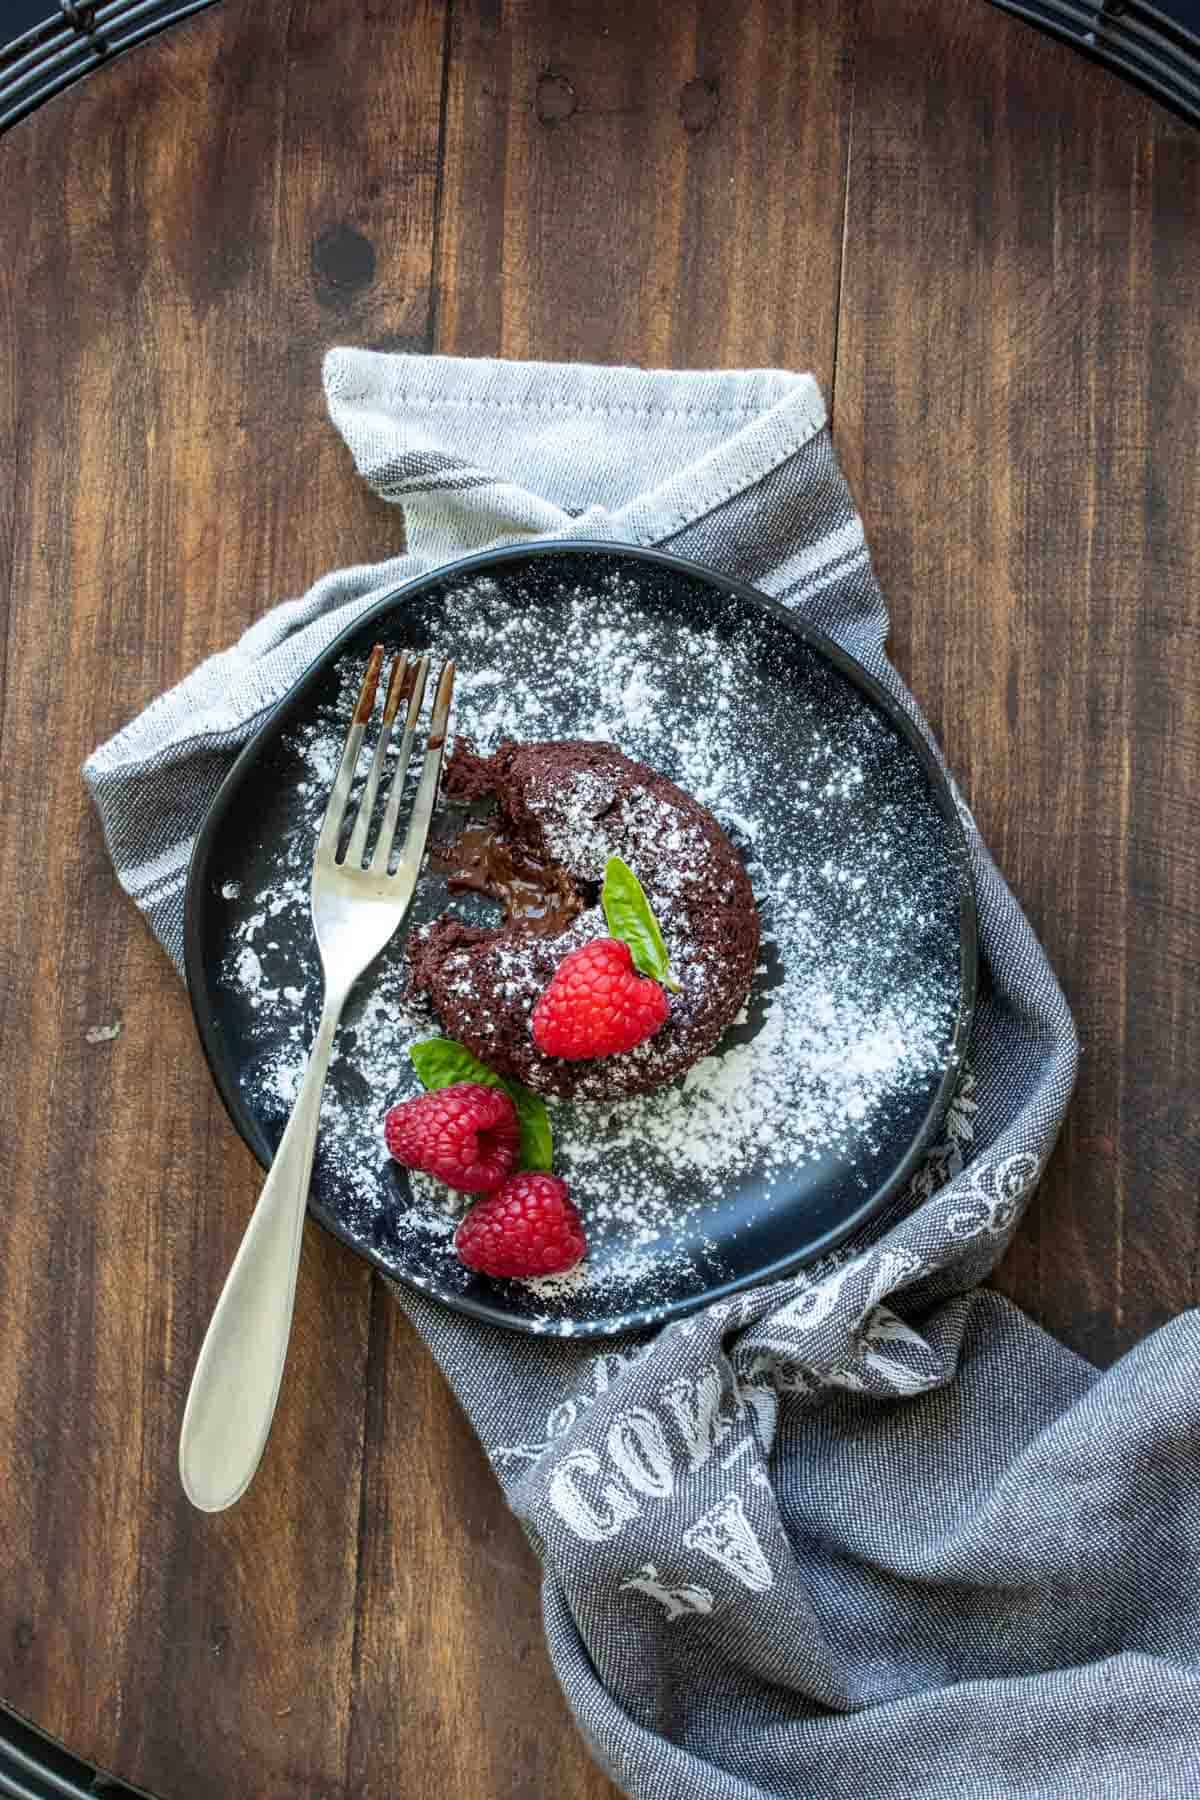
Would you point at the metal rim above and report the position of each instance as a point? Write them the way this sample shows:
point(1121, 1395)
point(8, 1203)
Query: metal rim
point(1152, 51)
point(72, 43)
point(36, 1766)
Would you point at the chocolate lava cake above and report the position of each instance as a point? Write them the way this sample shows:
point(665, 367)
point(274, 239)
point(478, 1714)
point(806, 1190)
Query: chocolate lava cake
point(559, 811)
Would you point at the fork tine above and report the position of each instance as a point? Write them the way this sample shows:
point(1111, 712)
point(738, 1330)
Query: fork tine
point(335, 812)
point(409, 866)
point(395, 794)
point(398, 688)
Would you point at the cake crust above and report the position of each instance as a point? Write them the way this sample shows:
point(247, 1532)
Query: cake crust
point(561, 810)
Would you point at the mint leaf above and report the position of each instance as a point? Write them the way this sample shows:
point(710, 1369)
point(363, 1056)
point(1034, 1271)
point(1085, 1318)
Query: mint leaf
point(630, 918)
point(537, 1143)
point(442, 1061)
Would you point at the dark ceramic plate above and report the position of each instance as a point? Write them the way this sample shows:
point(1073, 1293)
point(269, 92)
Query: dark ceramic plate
point(819, 1103)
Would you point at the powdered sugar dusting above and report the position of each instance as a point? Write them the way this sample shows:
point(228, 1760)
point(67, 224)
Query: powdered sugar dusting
point(851, 1014)
point(578, 838)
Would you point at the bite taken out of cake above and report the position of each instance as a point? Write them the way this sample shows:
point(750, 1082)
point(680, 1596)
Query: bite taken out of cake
point(541, 826)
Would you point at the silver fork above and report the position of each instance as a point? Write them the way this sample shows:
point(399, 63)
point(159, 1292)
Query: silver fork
point(357, 905)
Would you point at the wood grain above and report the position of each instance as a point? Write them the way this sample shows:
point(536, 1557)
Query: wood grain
point(452, 1693)
point(1012, 409)
point(639, 184)
point(1010, 341)
point(196, 243)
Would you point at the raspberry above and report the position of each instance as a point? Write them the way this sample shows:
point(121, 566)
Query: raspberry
point(527, 1227)
point(467, 1135)
point(597, 1004)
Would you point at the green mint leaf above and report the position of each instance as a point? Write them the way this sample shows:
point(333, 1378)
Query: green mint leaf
point(441, 1061)
point(537, 1143)
point(630, 918)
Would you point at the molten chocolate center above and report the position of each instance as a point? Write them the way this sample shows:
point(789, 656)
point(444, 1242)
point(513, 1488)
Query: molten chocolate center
point(482, 859)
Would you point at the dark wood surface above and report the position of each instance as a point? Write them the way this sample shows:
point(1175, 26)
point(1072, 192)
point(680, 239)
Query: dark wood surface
point(986, 250)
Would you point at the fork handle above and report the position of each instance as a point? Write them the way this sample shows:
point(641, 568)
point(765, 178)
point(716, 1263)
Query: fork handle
point(232, 1398)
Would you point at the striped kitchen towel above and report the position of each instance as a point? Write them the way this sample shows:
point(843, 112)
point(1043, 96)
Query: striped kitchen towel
point(866, 1531)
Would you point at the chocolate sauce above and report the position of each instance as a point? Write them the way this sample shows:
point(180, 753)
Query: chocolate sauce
point(481, 859)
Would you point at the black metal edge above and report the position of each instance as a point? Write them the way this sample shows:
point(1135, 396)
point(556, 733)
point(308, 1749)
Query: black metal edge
point(1155, 53)
point(1158, 55)
point(196, 973)
point(49, 57)
point(35, 1766)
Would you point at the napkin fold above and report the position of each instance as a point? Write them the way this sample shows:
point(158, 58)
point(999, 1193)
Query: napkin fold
point(866, 1531)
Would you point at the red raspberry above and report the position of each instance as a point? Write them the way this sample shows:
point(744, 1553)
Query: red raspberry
point(467, 1135)
point(597, 1004)
point(527, 1227)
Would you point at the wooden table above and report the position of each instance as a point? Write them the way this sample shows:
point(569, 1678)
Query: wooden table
point(986, 250)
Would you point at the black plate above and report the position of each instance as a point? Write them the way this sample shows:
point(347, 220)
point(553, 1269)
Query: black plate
point(823, 1095)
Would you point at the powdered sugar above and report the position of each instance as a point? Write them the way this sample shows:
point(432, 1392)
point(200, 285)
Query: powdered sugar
point(848, 1026)
point(577, 838)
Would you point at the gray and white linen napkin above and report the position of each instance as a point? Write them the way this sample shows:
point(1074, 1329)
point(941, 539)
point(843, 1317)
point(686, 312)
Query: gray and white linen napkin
point(866, 1532)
